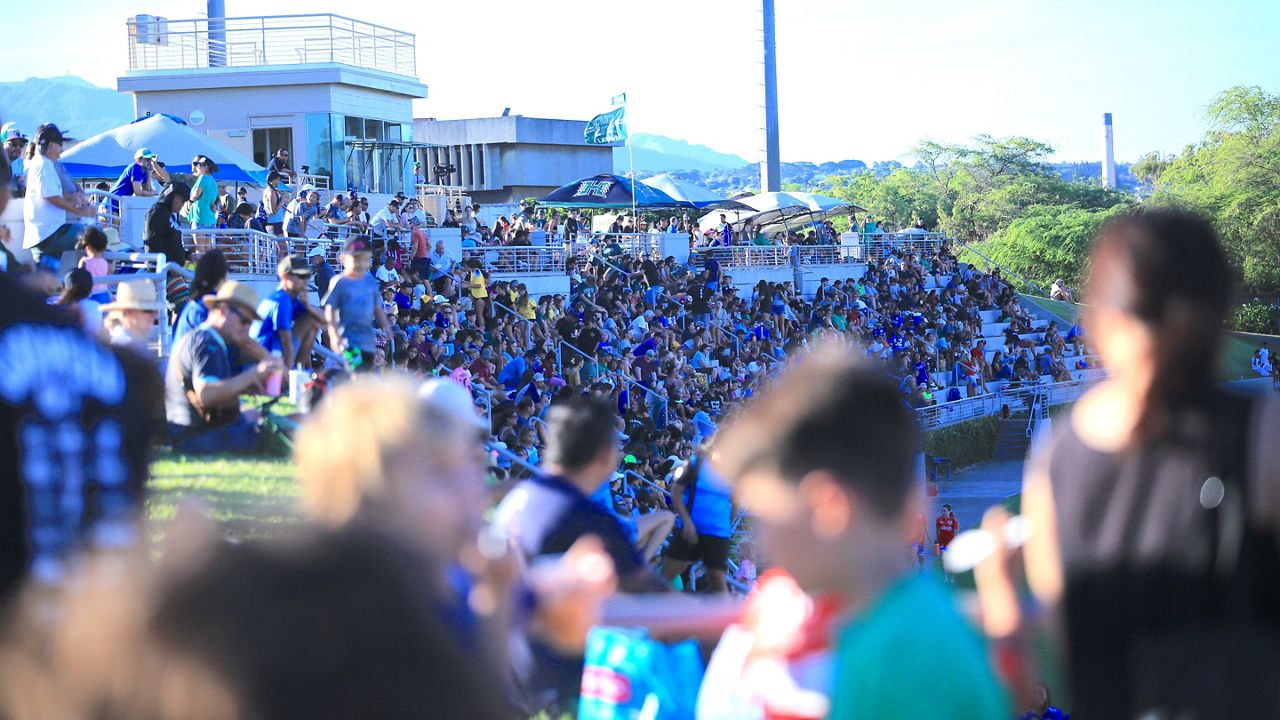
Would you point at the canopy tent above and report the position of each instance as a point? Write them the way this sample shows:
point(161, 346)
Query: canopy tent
point(775, 208)
point(609, 191)
point(689, 194)
point(107, 154)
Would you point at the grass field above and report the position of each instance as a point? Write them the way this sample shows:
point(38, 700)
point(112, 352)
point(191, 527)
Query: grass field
point(250, 497)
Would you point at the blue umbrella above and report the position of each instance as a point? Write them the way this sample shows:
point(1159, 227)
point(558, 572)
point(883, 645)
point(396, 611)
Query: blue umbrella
point(609, 191)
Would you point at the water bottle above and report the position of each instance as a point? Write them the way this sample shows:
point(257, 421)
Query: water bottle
point(298, 379)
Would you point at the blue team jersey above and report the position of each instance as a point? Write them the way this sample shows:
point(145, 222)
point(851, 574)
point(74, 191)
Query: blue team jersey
point(277, 312)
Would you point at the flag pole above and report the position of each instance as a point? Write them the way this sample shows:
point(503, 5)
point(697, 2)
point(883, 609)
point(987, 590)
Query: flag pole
point(631, 159)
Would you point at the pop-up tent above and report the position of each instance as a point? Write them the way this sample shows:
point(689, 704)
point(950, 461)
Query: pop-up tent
point(609, 191)
point(107, 154)
point(689, 194)
point(773, 207)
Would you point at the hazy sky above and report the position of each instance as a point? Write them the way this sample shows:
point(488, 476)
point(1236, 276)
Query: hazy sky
point(856, 79)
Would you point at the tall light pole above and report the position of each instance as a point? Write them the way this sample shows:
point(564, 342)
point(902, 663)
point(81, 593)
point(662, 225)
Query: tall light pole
point(770, 170)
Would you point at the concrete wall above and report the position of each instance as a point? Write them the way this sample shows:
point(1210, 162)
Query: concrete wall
point(239, 100)
point(539, 284)
point(520, 156)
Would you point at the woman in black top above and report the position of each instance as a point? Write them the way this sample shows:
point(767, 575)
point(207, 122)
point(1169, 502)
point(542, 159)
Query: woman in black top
point(161, 233)
point(1153, 507)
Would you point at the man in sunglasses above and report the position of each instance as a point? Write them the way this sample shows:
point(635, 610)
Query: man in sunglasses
point(202, 390)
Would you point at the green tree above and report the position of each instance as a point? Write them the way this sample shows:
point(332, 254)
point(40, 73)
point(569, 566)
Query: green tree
point(1049, 242)
point(1233, 175)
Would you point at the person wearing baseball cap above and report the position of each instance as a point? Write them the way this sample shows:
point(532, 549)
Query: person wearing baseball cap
point(353, 304)
point(14, 143)
point(202, 389)
point(321, 271)
point(284, 328)
point(136, 179)
point(50, 229)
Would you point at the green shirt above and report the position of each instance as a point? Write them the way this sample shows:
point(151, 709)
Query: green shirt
point(912, 656)
point(201, 211)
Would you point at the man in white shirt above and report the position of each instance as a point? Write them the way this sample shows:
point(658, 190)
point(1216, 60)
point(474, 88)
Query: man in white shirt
point(386, 272)
point(387, 220)
point(441, 266)
point(47, 213)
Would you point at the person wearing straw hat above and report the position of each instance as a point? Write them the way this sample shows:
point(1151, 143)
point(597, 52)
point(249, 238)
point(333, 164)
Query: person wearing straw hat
point(202, 391)
point(130, 319)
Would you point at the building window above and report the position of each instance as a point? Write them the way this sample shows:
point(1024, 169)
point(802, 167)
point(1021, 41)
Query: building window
point(377, 155)
point(266, 141)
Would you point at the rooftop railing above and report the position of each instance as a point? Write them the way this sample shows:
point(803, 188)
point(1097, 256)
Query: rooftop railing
point(163, 44)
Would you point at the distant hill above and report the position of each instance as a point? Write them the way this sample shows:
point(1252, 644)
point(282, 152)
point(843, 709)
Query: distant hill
point(656, 153)
point(78, 107)
point(729, 182)
point(1093, 171)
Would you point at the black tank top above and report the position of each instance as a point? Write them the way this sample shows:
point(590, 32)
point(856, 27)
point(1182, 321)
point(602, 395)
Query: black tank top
point(1172, 594)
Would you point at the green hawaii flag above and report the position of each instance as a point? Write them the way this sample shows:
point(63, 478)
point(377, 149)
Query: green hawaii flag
point(605, 128)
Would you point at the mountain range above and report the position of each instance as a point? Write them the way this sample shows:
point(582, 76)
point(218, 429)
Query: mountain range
point(77, 107)
point(82, 109)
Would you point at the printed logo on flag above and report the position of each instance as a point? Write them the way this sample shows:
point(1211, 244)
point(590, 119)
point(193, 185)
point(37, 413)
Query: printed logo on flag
point(601, 683)
point(594, 188)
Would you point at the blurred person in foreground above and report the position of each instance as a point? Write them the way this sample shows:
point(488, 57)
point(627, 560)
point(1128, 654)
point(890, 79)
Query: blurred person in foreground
point(78, 420)
point(410, 461)
point(319, 626)
point(1154, 507)
point(825, 460)
point(569, 500)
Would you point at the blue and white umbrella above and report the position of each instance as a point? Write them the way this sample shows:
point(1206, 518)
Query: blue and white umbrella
point(609, 191)
point(689, 194)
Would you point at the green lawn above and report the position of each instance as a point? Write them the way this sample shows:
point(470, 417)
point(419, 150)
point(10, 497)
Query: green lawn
point(250, 497)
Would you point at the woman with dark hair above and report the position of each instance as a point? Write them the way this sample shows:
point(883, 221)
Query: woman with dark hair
point(1154, 508)
point(211, 270)
point(77, 285)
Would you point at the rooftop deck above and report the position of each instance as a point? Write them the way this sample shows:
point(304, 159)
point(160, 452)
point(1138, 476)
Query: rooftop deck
point(273, 40)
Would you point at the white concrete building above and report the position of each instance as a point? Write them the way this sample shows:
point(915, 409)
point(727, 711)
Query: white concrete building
point(336, 92)
point(502, 160)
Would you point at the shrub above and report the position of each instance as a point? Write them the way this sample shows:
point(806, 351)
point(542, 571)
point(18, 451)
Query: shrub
point(1254, 317)
point(966, 443)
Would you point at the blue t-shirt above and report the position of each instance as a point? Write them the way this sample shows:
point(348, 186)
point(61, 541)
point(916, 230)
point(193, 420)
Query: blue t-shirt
point(277, 312)
point(201, 355)
point(712, 511)
point(192, 315)
point(355, 301)
point(124, 183)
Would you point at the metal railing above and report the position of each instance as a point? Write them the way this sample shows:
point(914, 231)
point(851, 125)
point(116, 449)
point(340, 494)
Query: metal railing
point(154, 268)
point(249, 252)
point(1018, 398)
point(586, 244)
point(743, 256)
point(320, 182)
point(108, 206)
point(162, 44)
point(521, 259)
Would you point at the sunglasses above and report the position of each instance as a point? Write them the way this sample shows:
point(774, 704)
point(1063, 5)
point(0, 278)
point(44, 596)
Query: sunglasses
point(240, 314)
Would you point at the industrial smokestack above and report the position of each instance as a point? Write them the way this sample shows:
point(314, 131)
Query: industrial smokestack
point(1108, 153)
point(217, 33)
point(770, 170)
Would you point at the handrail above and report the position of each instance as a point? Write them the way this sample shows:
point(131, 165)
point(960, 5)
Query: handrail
point(1004, 270)
point(492, 447)
point(560, 359)
point(517, 315)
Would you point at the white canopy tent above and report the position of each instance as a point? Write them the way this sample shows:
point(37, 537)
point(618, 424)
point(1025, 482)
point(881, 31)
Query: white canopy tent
point(778, 208)
point(687, 192)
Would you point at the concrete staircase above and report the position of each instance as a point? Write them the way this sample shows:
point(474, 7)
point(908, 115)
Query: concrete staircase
point(1011, 439)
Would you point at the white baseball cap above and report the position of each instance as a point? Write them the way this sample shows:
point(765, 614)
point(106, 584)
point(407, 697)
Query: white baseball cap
point(315, 252)
point(452, 399)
